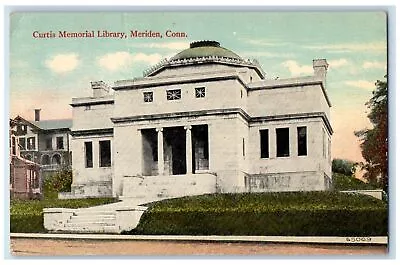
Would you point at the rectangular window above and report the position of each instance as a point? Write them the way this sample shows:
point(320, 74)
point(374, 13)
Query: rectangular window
point(264, 143)
point(302, 141)
point(244, 147)
point(48, 143)
point(282, 142)
point(13, 147)
point(329, 150)
point(174, 94)
point(31, 143)
point(148, 96)
point(60, 142)
point(88, 154)
point(35, 180)
point(105, 153)
point(21, 129)
point(22, 143)
point(323, 143)
point(200, 92)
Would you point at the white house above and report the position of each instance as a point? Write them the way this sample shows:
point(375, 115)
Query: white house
point(204, 121)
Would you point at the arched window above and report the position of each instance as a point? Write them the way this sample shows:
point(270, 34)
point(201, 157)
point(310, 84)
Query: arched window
point(56, 159)
point(45, 160)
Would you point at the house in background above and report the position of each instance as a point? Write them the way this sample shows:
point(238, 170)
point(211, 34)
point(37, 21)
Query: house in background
point(204, 121)
point(45, 142)
point(25, 175)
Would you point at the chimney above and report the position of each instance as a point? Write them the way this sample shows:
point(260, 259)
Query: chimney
point(37, 114)
point(100, 88)
point(320, 68)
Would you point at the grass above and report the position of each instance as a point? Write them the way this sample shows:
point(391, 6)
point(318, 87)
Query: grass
point(283, 213)
point(344, 182)
point(26, 216)
point(269, 201)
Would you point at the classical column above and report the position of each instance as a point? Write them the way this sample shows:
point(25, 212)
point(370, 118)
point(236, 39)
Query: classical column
point(188, 149)
point(160, 151)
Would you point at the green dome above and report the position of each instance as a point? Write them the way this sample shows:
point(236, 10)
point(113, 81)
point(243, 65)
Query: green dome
point(204, 49)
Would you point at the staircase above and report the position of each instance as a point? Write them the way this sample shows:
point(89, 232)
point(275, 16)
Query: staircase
point(92, 221)
point(125, 215)
point(103, 219)
point(155, 188)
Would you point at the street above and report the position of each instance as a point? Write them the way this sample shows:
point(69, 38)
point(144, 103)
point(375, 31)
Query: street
point(64, 247)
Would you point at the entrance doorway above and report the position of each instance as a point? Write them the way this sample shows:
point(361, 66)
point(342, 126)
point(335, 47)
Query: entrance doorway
point(149, 147)
point(175, 150)
point(200, 152)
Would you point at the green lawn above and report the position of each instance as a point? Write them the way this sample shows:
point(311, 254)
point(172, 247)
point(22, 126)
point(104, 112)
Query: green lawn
point(26, 216)
point(280, 213)
point(344, 182)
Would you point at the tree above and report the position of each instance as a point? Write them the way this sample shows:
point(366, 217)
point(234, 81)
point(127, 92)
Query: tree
point(374, 142)
point(343, 166)
point(59, 182)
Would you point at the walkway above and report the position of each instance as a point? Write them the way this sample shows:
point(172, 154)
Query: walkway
point(65, 247)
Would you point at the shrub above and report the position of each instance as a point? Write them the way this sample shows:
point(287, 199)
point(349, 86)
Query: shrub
point(59, 182)
point(267, 214)
point(343, 182)
point(343, 166)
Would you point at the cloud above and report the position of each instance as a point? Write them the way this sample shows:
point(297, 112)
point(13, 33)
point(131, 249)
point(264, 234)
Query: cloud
point(361, 84)
point(296, 69)
point(266, 54)
point(147, 58)
point(338, 63)
point(261, 42)
point(351, 47)
point(374, 64)
point(117, 60)
point(63, 63)
point(177, 45)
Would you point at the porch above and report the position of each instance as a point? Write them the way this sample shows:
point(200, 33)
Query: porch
point(176, 150)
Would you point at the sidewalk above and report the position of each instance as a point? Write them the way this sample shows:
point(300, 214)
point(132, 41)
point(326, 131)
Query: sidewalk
point(376, 240)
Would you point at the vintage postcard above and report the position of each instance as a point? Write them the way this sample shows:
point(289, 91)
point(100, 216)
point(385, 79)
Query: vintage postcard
point(234, 131)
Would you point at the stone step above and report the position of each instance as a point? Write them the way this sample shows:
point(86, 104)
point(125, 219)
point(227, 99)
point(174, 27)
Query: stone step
point(94, 220)
point(162, 188)
point(94, 216)
point(111, 229)
point(166, 183)
point(90, 224)
point(86, 212)
point(147, 197)
point(148, 194)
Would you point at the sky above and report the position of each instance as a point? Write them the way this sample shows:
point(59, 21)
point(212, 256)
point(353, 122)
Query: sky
point(47, 73)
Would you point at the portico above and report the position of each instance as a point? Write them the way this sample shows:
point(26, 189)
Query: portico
point(175, 150)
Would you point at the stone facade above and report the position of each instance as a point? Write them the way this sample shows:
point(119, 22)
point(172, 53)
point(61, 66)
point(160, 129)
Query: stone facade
point(206, 115)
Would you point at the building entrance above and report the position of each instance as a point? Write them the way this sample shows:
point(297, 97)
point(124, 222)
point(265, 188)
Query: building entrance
point(175, 150)
point(200, 148)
